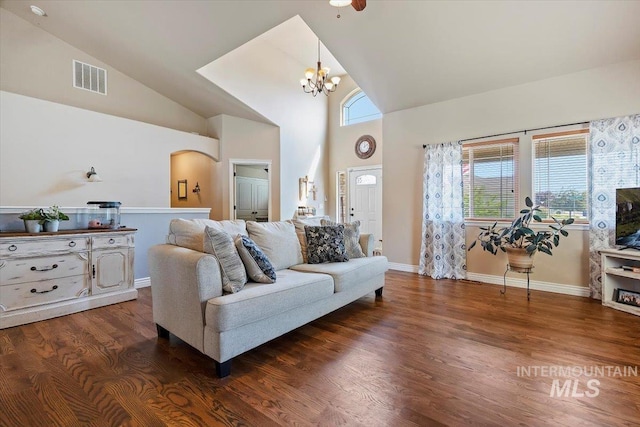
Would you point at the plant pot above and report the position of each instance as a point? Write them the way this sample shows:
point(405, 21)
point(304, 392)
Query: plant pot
point(51, 226)
point(519, 259)
point(32, 225)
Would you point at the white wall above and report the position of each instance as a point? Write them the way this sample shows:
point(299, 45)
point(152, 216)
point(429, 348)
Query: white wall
point(46, 149)
point(592, 94)
point(35, 63)
point(264, 83)
point(249, 140)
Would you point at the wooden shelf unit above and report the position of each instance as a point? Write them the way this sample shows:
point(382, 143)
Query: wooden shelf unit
point(614, 277)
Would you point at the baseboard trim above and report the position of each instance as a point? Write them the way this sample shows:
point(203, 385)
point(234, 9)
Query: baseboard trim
point(515, 282)
point(407, 268)
point(143, 282)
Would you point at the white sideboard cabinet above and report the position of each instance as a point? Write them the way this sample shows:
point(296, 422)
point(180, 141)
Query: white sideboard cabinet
point(45, 275)
point(616, 278)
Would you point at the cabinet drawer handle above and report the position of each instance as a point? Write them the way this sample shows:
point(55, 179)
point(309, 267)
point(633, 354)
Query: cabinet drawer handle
point(111, 241)
point(44, 269)
point(72, 244)
point(34, 291)
point(13, 248)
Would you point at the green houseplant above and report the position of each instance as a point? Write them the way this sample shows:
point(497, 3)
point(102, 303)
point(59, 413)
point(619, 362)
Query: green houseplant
point(518, 239)
point(32, 220)
point(52, 217)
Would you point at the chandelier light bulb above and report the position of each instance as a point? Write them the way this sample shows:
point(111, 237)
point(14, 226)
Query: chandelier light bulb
point(335, 80)
point(309, 73)
point(339, 3)
point(303, 82)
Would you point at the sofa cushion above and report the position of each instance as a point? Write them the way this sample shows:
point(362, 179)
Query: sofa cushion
point(189, 233)
point(278, 241)
point(325, 244)
point(346, 273)
point(231, 227)
point(186, 233)
point(299, 224)
point(258, 266)
point(259, 301)
point(351, 238)
point(220, 244)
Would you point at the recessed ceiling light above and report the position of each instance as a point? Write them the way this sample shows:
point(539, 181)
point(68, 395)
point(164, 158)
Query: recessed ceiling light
point(36, 10)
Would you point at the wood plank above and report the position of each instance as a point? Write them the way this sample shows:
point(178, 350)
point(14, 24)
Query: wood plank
point(427, 353)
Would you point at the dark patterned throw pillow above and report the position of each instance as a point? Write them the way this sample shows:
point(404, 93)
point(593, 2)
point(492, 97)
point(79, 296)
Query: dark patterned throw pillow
point(351, 238)
point(258, 266)
point(325, 244)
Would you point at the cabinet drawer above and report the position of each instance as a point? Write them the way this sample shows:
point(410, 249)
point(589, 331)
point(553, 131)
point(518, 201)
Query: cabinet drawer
point(35, 247)
point(14, 297)
point(118, 241)
point(21, 270)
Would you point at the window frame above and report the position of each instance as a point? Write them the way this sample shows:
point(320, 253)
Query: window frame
point(561, 135)
point(515, 143)
point(348, 98)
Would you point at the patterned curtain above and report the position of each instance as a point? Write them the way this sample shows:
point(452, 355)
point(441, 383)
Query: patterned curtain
point(614, 148)
point(443, 252)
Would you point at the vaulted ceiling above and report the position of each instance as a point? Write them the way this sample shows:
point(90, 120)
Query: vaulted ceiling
point(403, 54)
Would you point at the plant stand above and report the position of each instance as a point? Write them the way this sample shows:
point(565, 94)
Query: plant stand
point(520, 270)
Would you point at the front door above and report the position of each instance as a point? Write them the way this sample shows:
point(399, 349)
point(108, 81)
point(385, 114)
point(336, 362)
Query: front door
point(365, 200)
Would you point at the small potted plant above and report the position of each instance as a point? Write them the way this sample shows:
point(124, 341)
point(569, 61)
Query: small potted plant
point(52, 217)
point(519, 241)
point(32, 220)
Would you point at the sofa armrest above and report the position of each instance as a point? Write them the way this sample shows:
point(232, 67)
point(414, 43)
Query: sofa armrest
point(366, 243)
point(182, 281)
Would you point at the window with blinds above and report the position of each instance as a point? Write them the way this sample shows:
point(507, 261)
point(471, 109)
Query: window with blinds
point(560, 174)
point(490, 178)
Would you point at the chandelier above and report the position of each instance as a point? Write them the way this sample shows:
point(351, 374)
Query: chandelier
point(317, 80)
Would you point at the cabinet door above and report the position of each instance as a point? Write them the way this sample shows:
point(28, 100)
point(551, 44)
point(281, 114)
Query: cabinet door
point(111, 270)
point(244, 199)
point(262, 198)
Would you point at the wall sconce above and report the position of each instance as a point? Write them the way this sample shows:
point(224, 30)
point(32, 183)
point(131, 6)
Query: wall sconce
point(93, 176)
point(197, 188)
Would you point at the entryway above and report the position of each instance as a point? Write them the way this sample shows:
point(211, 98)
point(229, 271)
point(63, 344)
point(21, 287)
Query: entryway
point(365, 199)
point(250, 190)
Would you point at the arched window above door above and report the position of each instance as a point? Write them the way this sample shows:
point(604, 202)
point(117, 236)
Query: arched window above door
point(358, 108)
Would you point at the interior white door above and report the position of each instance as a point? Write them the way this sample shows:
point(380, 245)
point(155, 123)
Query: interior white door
point(365, 200)
point(244, 199)
point(262, 200)
point(252, 199)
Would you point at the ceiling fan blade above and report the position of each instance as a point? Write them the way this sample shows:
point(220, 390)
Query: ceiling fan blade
point(359, 4)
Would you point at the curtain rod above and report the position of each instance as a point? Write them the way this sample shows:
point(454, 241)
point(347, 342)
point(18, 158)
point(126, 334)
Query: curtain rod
point(518, 131)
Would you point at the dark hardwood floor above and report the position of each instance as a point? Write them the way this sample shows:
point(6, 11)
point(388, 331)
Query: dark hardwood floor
point(428, 353)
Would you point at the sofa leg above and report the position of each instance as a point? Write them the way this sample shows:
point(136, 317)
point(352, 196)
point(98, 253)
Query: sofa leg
point(162, 332)
point(379, 292)
point(223, 369)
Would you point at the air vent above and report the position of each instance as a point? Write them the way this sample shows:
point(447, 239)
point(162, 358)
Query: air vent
point(89, 78)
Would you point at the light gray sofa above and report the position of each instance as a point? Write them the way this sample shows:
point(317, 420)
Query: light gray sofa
point(188, 299)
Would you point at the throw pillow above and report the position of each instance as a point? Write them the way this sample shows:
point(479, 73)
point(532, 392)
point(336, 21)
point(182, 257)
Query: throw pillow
point(278, 241)
point(351, 238)
point(221, 245)
point(258, 266)
point(325, 244)
point(300, 223)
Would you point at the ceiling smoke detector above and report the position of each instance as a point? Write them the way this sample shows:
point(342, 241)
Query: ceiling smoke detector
point(37, 11)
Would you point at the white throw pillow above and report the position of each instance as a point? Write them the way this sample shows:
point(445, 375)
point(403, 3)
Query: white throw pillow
point(220, 244)
point(278, 241)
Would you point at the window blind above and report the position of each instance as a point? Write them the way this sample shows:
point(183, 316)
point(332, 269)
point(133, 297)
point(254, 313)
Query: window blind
point(489, 174)
point(560, 174)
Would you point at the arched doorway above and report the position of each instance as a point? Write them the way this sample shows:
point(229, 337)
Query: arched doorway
point(193, 180)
